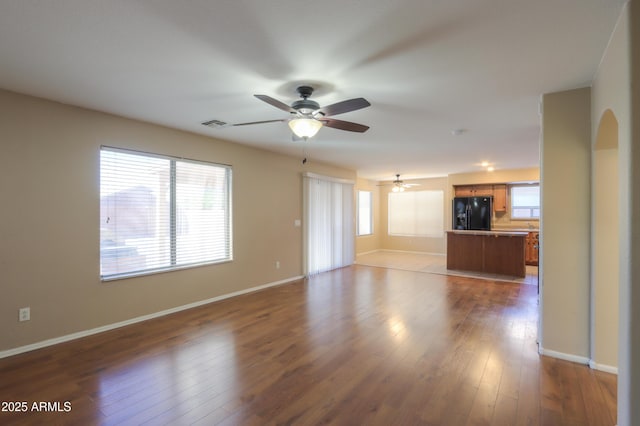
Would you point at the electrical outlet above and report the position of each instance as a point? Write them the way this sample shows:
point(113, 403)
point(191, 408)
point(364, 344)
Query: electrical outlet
point(24, 314)
point(277, 264)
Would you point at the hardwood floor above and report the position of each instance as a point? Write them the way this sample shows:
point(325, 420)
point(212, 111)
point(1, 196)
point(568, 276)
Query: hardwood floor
point(359, 345)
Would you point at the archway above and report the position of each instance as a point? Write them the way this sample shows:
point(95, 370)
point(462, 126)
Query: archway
point(605, 246)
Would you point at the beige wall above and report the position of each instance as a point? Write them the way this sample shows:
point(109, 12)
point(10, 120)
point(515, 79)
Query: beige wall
point(611, 94)
point(367, 243)
point(605, 264)
point(417, 244)
point(49, 256)
point(565, 224)
point(630, 296)
point(497, 176)
point(630, 290)
point(616, 88)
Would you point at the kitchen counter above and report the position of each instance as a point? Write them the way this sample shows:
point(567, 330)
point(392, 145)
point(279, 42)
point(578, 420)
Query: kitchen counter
point(495, 252)
point(517, 229)
point(498, 233)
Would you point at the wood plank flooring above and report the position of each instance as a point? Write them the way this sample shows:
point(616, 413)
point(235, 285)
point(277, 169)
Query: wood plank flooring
point(359, 345)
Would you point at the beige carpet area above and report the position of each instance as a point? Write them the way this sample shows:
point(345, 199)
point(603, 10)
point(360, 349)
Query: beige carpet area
point(434, 264)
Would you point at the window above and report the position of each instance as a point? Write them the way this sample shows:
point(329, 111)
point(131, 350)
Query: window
point(525, 201)
point(365, 207)
point(416, 213)
point(160, 213)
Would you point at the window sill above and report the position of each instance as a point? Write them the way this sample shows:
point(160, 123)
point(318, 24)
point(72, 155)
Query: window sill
point(160, 271)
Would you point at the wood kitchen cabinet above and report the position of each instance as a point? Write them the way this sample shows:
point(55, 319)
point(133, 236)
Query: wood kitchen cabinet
point(485, 251)
point(500, 198)
point(497, 191)
point(474, 190)
point(531, 248)
point(464, 191)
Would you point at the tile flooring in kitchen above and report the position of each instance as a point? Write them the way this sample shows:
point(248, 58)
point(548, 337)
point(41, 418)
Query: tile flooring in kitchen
point(434, 264)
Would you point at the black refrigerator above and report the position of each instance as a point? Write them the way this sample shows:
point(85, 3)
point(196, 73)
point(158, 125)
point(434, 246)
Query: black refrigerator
point(472, 213)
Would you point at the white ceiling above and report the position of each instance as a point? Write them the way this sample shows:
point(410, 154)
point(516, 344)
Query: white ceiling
point(427, 67)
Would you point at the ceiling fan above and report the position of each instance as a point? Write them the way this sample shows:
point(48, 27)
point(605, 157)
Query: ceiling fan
point(307, 116)
point(398, 185)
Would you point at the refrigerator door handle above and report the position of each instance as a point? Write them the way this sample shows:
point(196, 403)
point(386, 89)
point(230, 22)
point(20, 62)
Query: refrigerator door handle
point(468, 217)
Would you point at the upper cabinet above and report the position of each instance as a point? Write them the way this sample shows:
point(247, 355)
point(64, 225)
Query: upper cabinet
point(474, 191)
point(500, 197)
point(497, 191)
point(464, 191)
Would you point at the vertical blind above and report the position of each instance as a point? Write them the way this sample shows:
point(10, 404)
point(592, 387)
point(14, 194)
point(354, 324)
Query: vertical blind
point(329, 224)
point(160, 213)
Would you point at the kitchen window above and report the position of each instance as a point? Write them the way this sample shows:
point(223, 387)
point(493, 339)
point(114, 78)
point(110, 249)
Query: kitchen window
point(365, 213)
point(159, 213)
point(525, 202)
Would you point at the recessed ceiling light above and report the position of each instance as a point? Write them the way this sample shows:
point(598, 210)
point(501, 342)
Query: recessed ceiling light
point(490, 169)
point(484, 163)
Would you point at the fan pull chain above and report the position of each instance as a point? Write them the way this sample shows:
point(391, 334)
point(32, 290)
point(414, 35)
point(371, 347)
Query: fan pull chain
point(304, 152)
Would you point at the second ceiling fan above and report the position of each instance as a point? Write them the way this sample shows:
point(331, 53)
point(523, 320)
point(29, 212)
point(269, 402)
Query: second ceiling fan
point(307, 116)
point(399, 185)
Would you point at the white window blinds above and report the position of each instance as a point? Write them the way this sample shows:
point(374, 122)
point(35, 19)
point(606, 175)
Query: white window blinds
point(416, 213)
point(525, 202)
point(161, 213)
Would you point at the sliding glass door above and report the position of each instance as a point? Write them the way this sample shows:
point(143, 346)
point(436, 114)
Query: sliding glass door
point(329, 231)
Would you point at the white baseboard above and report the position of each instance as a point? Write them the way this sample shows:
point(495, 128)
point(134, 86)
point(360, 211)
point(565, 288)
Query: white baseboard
point(367, 252)
point(580, 360)
point(566, 357)
point(399, 251)
point(603, 367)
point(85, 333)
point(413, 252)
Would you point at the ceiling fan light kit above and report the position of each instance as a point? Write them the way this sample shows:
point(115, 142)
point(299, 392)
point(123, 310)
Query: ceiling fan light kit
point(305, 127)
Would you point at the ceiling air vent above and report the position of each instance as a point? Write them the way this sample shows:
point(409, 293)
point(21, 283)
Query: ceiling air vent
point(215, 123)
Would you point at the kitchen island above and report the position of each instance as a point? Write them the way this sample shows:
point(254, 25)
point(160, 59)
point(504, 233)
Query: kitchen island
point(493, 252)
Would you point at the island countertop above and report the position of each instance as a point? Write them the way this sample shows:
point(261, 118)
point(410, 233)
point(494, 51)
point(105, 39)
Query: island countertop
point(500, 233)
